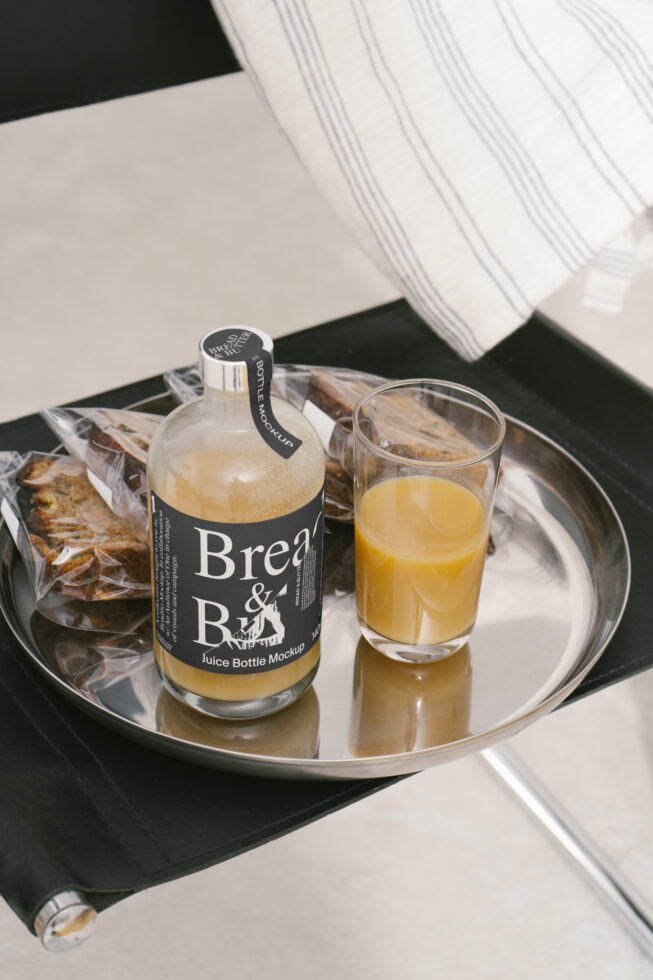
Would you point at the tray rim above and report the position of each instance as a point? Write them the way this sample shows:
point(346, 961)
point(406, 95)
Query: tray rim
point(368, 767)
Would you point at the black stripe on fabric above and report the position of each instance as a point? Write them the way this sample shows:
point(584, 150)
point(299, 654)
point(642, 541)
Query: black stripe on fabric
point(340, 156)
point(560, 222)
point(402, 237)
point(613, 47)
point(615, 25)
point(510, 12)
point(639, 54)
point(405, 117)
point(225, 15)
point(451, 67)
point(251, 71)
point(448, 321)
point(352, 179)
point(488, 137)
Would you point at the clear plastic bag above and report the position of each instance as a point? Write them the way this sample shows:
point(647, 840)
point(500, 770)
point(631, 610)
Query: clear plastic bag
point(185, 384)
point(90, 662)
point(72, 544)
point(112, 445)
point(326, 396)
point(117, 617)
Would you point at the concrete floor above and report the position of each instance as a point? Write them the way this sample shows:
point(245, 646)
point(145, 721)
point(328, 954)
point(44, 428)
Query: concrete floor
point(127, 230)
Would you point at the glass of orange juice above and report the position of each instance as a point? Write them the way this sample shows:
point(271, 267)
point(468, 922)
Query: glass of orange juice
point(426, 461)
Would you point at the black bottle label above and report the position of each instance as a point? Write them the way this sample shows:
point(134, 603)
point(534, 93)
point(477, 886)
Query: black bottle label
point(237, 598)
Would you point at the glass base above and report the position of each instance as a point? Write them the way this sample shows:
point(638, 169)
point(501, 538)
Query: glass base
point(413, 653)
point(239, 710)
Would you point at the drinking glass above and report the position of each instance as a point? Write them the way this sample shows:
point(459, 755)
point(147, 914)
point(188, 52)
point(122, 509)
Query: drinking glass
point(426, 460)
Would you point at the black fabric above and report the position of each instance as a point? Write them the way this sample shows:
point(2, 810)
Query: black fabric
point(63, 53)
point(82, 807)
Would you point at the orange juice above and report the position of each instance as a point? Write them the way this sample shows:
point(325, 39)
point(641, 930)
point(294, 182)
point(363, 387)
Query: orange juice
point(420, 550)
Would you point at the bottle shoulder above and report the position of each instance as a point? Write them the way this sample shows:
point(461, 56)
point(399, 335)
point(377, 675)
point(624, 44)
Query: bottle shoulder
point(230, 473)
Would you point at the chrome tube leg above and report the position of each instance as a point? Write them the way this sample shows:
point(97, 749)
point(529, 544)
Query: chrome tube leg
point(629, 906)
point(65, 921)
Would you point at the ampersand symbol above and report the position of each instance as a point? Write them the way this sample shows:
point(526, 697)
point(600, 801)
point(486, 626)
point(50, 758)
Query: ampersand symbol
point(257, 592)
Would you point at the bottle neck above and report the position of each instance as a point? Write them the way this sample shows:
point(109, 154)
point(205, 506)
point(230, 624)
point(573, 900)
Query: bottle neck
point(227, 409)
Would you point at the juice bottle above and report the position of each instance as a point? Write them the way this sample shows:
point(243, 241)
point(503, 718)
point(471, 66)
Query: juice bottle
point(236, 493)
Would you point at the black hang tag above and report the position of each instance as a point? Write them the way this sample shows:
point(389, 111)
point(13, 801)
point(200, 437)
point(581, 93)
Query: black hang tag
point(241, 344)
point(259, 377)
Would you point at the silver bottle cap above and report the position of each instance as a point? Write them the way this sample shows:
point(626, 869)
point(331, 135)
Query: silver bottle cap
point(223, 355)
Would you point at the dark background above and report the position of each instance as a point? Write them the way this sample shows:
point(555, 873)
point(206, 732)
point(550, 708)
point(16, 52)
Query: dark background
point(63, 53)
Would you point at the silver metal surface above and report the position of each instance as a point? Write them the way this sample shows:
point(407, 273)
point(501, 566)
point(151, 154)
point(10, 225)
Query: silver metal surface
point(65, 922)
point(619, 894)
point(553, 593)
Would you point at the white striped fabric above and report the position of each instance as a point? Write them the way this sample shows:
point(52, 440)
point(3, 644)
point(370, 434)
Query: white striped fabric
point(613, 271)
point(481, 151)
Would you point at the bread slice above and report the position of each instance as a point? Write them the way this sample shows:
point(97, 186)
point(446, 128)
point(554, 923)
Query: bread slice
point(405, 425)
point(411, 429)
point(86, 549)
point(125, 435)
point(335, 396)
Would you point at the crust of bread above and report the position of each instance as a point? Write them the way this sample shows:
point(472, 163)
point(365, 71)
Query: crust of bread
point(126, 435)
point(89, 551)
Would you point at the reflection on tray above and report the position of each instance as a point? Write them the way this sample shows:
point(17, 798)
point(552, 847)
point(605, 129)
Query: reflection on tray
point(338, 560)
point(292, 733)
point(402, 707)
point(88, 660)
point(115, 616)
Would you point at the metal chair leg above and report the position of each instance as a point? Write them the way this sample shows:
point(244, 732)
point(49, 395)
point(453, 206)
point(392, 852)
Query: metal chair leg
point(629, 906)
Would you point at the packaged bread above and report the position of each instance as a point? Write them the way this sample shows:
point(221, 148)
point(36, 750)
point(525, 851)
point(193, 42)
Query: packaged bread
point(112, 445)
point(70, 540)
point(407, 427)
point(185, 384)
point(118, 617)
point(327, 397)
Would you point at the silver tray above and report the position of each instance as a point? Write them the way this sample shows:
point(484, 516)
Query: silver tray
point(553, 593)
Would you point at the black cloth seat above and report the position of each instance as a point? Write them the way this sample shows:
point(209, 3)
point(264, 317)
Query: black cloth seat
point(84, 808)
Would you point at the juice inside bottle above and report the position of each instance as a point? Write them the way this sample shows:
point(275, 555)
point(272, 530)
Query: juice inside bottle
point(215, 477)
point(420, 551)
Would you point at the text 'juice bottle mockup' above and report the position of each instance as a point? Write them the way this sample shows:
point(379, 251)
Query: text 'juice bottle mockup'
point(236, 489)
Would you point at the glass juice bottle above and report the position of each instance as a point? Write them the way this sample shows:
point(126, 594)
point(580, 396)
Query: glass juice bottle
point(236, 491)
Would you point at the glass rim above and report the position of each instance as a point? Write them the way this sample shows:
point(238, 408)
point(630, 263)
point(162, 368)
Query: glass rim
point(432, 463)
